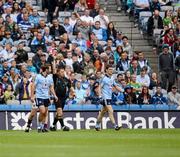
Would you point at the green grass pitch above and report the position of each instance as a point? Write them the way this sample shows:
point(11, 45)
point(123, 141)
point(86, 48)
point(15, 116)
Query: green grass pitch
point(89, 143)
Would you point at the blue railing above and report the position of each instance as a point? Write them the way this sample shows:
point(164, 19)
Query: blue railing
point(90, 107)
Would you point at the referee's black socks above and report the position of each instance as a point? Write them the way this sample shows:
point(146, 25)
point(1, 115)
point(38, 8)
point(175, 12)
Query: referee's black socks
point(61, 121)
point(29, 123)
point(55, 120)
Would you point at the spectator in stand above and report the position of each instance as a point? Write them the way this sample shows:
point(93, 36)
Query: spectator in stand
point(102, 18)
point(174, 97)
point(9, 23)
point(166, 68)
point(34, 18)
point(73, 19)
point(83, 27)
point(94, 12)
point(155, 5)
point(56, 30)
point(1, 7)
point(32, 69)
point(170, 38)
point(7, 39)
point(16, 10)
point(1, 95)
point(8, 11)
point(67, 26)
point(111, 31)
point(36, 57)
point(174, 23)
point(100, 32)
point(16, 33)
point(66, 41)
point(80, 93)
point(144, 97)
point(4, 68)
point(7, 52)
point(177, 67)
point(118, 86)
point(129, 95)
point(24, 24)
point(143, 79)
point(80, 41)
point(154, 82)
point(80, 6)
point(123, 63)
point(136, 86)
point(23, 90)
point(118, 40)
point(42, 26)
point(21, 55)
point(66, 5)
point(38, 41)
point(86, 18)
point(143, 62)
point(154, 22)
point(68, 60)
point(167, 18)
point(110, 44)
point(95, 45)
point(117, 54)
point(9, 94)
point(159, 98)
point(134, 67)
point(42, 62)
point(127, 47)
point(89, 69)
point(48, 38)
point(127, 77)
point(97, 60)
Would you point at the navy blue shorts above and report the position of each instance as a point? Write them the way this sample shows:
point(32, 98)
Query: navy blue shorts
point(42, 102)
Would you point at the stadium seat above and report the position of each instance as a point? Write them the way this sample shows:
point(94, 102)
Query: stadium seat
point(41, 14)
point(156, 35)
point(31, 55)
point(164, 8)
point(145, 14)
point(14, 49)
point(176, 8)
point(162, 14)
point(143, 18)
point(37, 7)
point(64, 14)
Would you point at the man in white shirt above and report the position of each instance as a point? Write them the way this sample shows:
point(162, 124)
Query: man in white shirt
point(143, 79)
point(174, 97)
point(86, 18)
point(7, 52)
point(104, 20)
point(69, 60)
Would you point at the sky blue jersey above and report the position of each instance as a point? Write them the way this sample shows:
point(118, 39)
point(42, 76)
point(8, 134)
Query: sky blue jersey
point(107, 84)
point(43, 85)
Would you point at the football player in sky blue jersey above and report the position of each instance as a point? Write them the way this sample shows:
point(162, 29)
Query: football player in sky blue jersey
point(40, 94)
point(106, 91)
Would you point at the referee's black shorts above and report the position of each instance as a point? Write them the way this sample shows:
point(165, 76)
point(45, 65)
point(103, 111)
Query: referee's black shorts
point(60, 103)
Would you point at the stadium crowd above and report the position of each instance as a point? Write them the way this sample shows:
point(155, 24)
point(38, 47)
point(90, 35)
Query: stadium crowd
point(84, 42)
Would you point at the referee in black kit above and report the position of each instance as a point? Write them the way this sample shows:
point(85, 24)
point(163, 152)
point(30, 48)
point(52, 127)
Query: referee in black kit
point(61, 86)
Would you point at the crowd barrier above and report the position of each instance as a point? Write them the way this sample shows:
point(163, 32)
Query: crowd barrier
point(14, 117)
